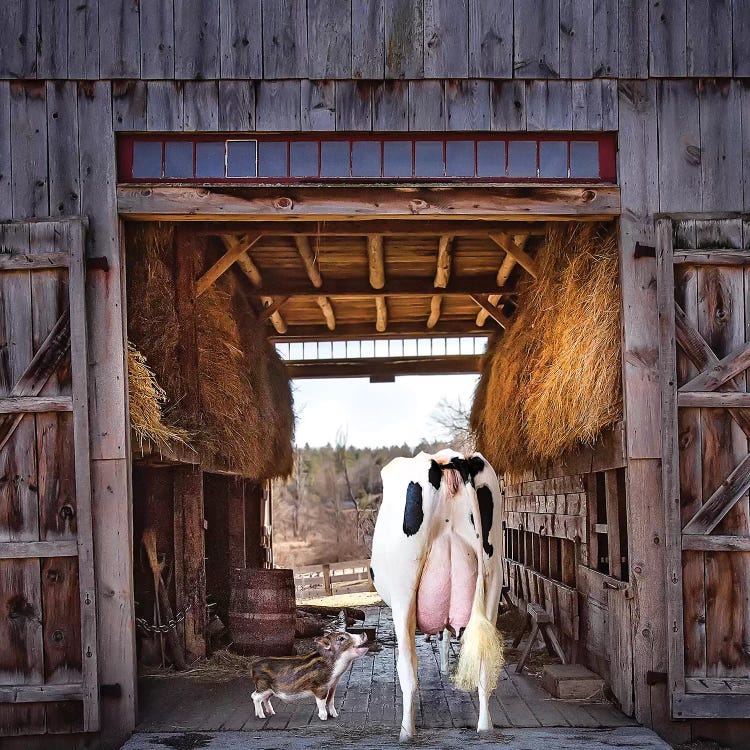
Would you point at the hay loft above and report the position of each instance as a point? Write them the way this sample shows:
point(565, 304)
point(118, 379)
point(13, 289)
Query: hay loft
point(242, 419)
point(552, 382)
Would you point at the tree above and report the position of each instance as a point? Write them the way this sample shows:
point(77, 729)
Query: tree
point(452, 418)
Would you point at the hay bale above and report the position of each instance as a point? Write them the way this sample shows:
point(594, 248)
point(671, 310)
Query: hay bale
point(553, 381)
point(147, 401)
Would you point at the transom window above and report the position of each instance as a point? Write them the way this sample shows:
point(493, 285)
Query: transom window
point(306, 158)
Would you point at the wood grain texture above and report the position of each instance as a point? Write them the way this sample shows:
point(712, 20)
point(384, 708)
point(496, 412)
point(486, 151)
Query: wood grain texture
point(164, 105)
point(353, 105)
point(119, 39)
point(404, 38)
point(62, 131)
point(196, 39)
point(390, 106)
point(632, 40)
point(707, 21)
point(157, 40)
point(129, 105)
point(329, 39)
point(605, 41)
point(200, 105)
point(236, 106)
point(536, 39)
point(667, 38)
point(491, 38)
point(18, 53)
point(241, 40)
point(577, 38)
point(368, 39)
point(277, 105)
point(318, 105)
point(285, 39)
point(548, 105)
point(467, 105)
point(29, 176)
point(446, 38)
point(426, 105)
point(508, 105)
point(52, 40)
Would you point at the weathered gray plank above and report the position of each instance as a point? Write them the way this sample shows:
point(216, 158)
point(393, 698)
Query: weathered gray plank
point(508, 105)
point(586, 100)
point(157, 40)
point(284, 39)
point(129, 105)
point(390, 106)
point(491, 38)
point(745, 105)
point(164, 110)
point(62, 130)
point(28, 120)
point(576, 38)
point(679, 148)
point(241, 44)
point(740, 35)
point(536, 39)
point(467, 105)
point(200, 101)
point(83, 38)
point(632, 38)
point(196, 39)
point(236, 105)
point(548, 105)
point(709, 21)
point(610, 105)
point(426, 105)
point(329, 38)
point(446, 38)
point(18, 50)
point(368, 39)
point(52, 40)
point(119, 39)
point(404, 38)
point(606, 32)
point(353, 105)
point(5, 151)
point(721, 146)
point(318, 105)
point(667, 39)
point(277, 105)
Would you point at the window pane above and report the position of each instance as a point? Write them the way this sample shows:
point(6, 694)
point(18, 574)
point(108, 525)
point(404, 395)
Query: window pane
point(522, 159)
point(424, 347)
point(147, 159)
point(491, 158)
point(241, 158)
point(334, 159)
point(397, 159)
point(438, 347)
point(178, 159)
point(381, 348)
point(352, 349)
point(368, 348)
point(304, 159)
point(410, 347)
point(366, 159)
point(584, 159)
point(428, 159)
point(209, 159)
point(325, 349)
point(553, 159)
point(296, 350)
point(339, 349)
point(272, 159)
point(459, 159)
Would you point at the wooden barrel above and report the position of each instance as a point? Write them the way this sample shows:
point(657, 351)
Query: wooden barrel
point(262, 611)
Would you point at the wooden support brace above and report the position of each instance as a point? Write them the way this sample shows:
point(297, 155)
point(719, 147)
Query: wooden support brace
point(516, 249)
point(235, 248)
point(494, 312)
point(503, 274)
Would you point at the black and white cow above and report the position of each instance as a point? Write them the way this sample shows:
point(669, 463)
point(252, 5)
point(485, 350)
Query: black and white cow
point(436, 561)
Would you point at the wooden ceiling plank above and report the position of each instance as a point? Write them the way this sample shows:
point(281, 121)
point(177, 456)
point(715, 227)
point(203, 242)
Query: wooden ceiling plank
point(494, 312)
point(381, 314)
point(235, 248)
point(516, 249)
point(376, 260)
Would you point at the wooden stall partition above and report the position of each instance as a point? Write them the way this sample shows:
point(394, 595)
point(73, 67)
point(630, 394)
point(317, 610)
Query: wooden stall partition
point(48, 638)
point(705, 352)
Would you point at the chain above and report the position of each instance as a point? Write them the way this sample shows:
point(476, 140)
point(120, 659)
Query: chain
point(172, 623)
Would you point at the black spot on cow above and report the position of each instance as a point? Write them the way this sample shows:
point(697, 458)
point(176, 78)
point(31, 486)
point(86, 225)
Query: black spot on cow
point(476, 464)
point(486, 508)
point(461, 465)
point(435, 475)
point(413, 513)
point(372, 574)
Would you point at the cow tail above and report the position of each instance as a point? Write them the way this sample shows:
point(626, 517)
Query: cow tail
point(480, 659)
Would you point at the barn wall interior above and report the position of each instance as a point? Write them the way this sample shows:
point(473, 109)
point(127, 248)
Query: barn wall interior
point(74, 76)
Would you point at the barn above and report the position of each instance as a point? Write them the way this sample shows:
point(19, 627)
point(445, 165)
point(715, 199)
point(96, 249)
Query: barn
point(323, 173)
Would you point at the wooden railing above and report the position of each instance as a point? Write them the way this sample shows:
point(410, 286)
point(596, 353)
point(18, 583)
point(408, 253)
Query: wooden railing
point(329, 579)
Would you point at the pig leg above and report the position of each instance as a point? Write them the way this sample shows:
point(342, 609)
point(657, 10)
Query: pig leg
point(330, 698)
point(258, 699)
point(320, 699)
point(269, 707)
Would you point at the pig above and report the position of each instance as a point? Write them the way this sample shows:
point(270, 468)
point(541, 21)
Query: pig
point(317, 673)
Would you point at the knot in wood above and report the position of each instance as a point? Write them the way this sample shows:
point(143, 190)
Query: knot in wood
point(283, 203)
point(588, 195)
point(417, 205)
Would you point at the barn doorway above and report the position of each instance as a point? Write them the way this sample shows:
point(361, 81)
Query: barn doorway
point(375, 283)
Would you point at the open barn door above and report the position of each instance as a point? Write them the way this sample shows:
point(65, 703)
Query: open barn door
point(704, 308)
point(48, 657)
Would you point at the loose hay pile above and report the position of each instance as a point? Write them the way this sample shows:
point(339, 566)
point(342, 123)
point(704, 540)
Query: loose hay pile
point(552, 382)
point(243, 421)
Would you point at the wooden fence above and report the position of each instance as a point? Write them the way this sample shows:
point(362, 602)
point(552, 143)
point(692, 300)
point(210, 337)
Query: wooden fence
point(329, 579)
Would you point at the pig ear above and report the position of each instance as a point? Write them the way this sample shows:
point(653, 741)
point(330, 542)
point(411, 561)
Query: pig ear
point(323, 642)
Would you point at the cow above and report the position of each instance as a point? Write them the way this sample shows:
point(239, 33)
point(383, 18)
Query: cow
point(436, 562)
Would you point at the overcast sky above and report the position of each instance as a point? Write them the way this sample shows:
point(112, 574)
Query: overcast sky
point(375, 414)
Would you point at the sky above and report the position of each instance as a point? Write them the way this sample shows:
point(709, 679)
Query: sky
point(375, 414)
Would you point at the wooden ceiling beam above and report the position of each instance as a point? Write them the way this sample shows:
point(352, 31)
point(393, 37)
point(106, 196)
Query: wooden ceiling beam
point(381, 314)
point(235, 247)
point(385, 367)
point(494, 312)
point(442, 277)
point(376, 261)
point(503, 274)
point(398, 329)
point(313, 273)
point(327, 309)
point(273, 306)
point(516, 249)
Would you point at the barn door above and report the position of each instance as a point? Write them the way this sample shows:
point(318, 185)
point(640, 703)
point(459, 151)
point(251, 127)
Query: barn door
point(704, 314)
point(48, 663)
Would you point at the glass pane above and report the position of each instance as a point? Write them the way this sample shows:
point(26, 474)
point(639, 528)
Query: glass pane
point(584, 159)
point(368, 349)
point(459, 159)
point(438, 347)
point(352, 349)
point(325, 349)
point(147, 159)
point(410, 347)
point(339, 349)
point(272, 159)
point(397, 159)
point(241, 158)
point(381, 348)
point(553, 159)
point(490, 158)
point(283, 350)
point(424, 347)
point(295, 350)
point(311, 349)
point(396, 348)
point(522, 159)
point(178, 159)
point(209, 159)
point(366, 159)
point(334, 159)
point(453, 346)
point(304, 159)
point(428, 159)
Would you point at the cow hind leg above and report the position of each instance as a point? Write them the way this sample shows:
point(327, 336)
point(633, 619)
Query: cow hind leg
point(492, 602)
point(404, 621)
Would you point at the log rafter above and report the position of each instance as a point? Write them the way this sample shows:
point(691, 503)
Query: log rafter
point(442, 277)
point(376, 263)
point(503, 274)
point(313, 273)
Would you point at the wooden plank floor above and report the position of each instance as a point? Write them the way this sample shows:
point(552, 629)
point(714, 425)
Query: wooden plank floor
point(368, 695)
